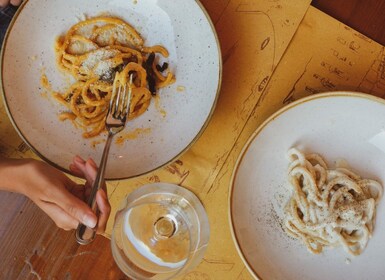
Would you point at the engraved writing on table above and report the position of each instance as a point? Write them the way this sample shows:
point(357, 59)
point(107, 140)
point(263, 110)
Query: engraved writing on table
point(350, 61)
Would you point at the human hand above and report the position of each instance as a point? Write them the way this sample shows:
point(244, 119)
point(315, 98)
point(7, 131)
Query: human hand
point(88, 170)
point(61, 198)
point(5, 3)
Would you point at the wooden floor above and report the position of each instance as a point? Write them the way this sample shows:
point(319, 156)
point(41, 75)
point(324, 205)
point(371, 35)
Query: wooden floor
point(366, 16)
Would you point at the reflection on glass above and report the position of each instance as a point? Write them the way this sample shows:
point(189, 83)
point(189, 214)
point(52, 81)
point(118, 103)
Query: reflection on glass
point(160, 232)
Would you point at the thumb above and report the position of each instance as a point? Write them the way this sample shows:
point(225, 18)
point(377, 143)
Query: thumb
point(78, 209)
point(82, 213)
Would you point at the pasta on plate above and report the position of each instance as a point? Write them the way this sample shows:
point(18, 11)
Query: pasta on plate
point(93, 51)
point(329, 207)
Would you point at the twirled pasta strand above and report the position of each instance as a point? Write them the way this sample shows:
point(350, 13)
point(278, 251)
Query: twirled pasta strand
point(329, 207)
point(93, 51)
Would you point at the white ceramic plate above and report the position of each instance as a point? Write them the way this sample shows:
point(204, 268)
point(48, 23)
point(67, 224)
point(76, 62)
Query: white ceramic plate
point(194, 58)
point(339, 126)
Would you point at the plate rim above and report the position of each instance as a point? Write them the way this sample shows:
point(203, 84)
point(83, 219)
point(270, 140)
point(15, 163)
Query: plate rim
point(253, 136)
point(66, 170)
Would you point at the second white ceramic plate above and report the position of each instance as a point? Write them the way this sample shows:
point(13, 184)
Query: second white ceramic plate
point(195, 59)
point(339, 126)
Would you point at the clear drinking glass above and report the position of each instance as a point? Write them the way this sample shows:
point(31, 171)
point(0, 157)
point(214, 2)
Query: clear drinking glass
point(160, 232)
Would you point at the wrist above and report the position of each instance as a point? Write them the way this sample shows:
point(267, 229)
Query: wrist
point(12, 174)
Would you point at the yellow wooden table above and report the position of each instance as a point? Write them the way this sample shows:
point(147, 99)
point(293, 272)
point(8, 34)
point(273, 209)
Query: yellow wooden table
point(274, 52)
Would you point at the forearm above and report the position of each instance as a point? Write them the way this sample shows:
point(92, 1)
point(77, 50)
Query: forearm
point(13, 174)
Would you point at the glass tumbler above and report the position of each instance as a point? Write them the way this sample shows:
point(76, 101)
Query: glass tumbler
point(161, 231)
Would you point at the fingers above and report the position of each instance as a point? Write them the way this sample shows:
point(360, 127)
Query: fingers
point(68, 219)
point(4, 3)
point(77, 166)
point(74, 206)
point(61, 218)
point(16, 2)
point(68, 216)
point(80, 211)
point(104, 209)
point(85, 169)
point(79, 191)
point(88, 170)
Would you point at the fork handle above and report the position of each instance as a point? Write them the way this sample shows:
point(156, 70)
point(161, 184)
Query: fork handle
point(85, 235)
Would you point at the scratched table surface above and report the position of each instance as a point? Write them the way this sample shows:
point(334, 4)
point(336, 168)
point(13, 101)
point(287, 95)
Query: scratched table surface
point(260, 42)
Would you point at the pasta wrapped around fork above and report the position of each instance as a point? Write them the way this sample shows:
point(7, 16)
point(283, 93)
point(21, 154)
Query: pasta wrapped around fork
point(92, 52)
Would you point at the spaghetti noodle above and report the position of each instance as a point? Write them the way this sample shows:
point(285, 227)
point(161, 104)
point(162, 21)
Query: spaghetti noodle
point(93, 52)
point(329, 207)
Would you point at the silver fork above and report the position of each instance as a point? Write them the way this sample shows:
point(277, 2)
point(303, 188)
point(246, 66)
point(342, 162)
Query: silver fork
point(118, 111)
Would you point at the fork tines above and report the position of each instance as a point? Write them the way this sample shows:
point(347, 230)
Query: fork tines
point(121, 97)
